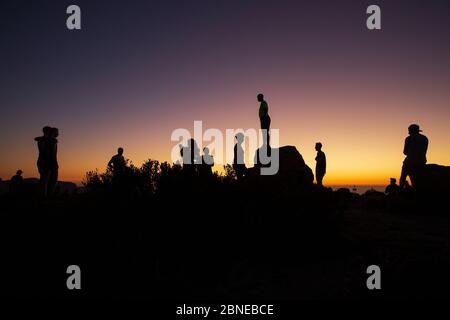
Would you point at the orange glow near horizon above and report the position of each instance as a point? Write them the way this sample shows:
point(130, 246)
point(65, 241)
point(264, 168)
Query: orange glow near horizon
point(361, 149)
point(138, 71)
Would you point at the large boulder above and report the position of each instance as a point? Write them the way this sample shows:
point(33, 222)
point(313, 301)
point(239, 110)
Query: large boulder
point(433, 190)
point(292, 167)
point(434, 177)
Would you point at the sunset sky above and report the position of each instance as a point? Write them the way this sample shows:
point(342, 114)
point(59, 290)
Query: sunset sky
point(140, 69)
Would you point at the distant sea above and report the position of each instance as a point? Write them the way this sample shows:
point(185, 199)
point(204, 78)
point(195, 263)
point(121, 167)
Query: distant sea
point(360, 189)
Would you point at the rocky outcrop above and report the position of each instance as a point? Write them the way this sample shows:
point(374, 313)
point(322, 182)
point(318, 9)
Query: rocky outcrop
point(292, 167)
point(434, 177)
point(31, 185)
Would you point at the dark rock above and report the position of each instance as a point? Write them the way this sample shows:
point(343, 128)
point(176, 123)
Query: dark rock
point(292, 167)
point(31, 185)
point(434, 177)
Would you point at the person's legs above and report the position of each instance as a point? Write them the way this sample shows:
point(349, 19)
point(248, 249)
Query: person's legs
point(403, 175)
point(265, 127)
point(53, 179)
point(415, 173)
point(319, 178)
point(44, 180)
point(263, 132)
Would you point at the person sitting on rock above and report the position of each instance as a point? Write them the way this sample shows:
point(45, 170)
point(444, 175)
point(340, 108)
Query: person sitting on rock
point(392, 188)
point(16, 183)
point(415, 150)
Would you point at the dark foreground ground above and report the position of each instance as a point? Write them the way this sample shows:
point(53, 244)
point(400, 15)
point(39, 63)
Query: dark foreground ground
point(238, 243)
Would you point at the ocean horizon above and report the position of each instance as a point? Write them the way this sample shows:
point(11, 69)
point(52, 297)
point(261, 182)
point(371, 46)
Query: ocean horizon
point(359, 188)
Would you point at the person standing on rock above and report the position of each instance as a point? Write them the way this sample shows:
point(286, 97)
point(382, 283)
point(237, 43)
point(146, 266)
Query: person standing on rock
point(53, 160)
point(44, 159)
point(321, 164)
point(117, 163)
point(238, 159)
point(264, 119)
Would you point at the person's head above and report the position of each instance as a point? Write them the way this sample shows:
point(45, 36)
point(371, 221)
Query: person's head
point(120, 151)
point(239, 137)
point(260, 97)
point(54, 132)
point(206, 151)
point(192, 145)
point(393, 181)
point(318, 146)
point(46, 130)
point(19, 172)
point(414, 129)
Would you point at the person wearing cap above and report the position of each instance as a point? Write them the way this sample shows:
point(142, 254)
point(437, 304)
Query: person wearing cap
point(415, 150)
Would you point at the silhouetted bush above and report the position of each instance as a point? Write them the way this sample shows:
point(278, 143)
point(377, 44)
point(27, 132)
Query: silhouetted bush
point(95, 181)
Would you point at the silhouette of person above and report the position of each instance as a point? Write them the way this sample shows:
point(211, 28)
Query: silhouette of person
point(407, 186)
point(53, 160)
point(321, 164)
point(191, 157)
point(264, 118)
point(238, 159)
point(392, 188)
point(16, 183)
point(117, 163)
point(179, 161)
point(44, 159)
point(415, 150)
point(207, 163)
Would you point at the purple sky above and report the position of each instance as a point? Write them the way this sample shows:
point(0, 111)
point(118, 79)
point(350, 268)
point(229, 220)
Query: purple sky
point(139, 69)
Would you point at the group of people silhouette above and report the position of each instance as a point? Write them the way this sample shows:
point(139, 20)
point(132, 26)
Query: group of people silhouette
point(193, 162)
point(415, 149)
